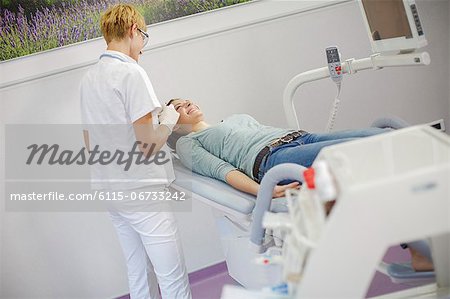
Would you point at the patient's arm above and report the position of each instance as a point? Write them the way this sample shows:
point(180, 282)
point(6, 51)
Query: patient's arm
point(279, 190)
point(242, 182)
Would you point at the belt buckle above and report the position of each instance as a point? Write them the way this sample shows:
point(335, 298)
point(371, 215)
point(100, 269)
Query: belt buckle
point(287, 138)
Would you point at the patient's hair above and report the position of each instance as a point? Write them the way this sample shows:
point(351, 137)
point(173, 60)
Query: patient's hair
point(173, 138)
point(118, 19)
point(171, 100)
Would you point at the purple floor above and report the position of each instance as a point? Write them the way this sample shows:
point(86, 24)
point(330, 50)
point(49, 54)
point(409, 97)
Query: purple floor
point(381, 284)
point(208, 283)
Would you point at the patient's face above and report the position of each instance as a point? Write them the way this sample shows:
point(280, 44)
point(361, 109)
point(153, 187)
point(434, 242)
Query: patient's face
point(189, 112)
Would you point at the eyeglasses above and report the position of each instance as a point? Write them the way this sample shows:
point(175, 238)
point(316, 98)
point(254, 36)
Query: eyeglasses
point(145, 37)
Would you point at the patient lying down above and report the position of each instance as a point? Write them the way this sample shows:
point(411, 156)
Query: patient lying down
point(239, 150)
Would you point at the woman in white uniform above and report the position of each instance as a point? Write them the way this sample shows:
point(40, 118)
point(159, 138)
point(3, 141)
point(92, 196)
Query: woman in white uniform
point(120, 110)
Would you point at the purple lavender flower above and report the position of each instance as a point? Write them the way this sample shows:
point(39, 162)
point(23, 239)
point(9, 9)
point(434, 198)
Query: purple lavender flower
point(74, 21)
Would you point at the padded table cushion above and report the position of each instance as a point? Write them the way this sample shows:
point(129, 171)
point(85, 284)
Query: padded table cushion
point(219, 192)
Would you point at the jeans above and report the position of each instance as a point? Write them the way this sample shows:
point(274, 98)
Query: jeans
point(305, 149)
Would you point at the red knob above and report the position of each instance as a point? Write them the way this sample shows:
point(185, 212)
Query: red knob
point(308, 174)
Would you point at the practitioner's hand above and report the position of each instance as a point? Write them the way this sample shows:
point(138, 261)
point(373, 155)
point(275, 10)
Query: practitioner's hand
point(168, 117)
point(279, 190)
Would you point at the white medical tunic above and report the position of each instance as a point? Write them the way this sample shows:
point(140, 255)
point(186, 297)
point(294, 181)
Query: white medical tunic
point(116, 92)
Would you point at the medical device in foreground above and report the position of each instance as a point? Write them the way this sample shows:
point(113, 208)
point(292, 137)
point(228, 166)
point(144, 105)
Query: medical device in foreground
point(388, 194)
point(393, 44)
point(389, 189)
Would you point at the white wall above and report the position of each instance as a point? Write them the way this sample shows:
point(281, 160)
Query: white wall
point(243, 70)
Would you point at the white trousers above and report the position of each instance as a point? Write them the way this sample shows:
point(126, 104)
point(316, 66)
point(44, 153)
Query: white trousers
point(152, 247)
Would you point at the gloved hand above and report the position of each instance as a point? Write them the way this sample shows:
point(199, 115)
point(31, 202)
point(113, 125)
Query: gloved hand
point(168, 117)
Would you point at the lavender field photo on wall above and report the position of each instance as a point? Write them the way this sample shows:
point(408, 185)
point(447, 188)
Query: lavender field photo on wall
point(31, 26)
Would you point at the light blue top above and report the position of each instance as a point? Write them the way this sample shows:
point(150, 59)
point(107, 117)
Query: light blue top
point(232, 144)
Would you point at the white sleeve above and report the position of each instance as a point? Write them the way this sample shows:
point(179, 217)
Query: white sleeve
point(140, 98)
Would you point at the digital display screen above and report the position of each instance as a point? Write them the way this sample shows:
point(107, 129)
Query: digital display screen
point(332, 56)
point(387, 19)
